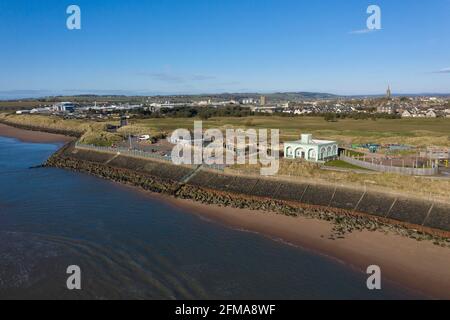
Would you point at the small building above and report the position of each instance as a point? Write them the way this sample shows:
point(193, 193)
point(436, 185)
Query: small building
point(248, 101)
point(64, 107)
point(262, 101)
point(431, 114)
point(267, 109)
point(436, 153)
point(387, 108)
point(124, 121)
point(40, 110)
point(23, 111)
point(407, 114)
point(311, 149)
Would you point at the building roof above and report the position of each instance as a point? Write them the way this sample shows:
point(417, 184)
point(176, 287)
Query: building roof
point(312, 142)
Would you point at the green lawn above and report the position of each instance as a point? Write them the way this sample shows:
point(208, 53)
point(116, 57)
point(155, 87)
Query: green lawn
point(418, 132)
point(343, 164)
point(415, 132)
point(353, 153)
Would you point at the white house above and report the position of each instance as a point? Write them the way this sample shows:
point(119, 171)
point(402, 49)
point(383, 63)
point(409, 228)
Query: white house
point(407, 114)
point(40, 110)
point(431, 114)
point(311, 149)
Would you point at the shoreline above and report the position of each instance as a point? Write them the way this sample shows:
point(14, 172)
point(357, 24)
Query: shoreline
point(424, 262)
point(32, 136)
point(420, 267)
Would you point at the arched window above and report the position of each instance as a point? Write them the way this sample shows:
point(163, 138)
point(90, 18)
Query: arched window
point(289, 151)
point(334, 150)
point(329, 152)
point(312, 154)
point(322, 153)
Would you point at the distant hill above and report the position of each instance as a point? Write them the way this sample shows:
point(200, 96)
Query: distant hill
point(277, 96)
point(301, 95)
point(121, 96)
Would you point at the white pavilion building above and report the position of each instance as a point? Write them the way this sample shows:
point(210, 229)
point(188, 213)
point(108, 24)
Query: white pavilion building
point(311, 149)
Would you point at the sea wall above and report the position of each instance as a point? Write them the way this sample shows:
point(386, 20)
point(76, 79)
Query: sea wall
point(348, 209)
point(418, 212)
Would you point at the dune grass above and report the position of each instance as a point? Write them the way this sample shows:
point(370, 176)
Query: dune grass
point(100, 138)
point(53, 122)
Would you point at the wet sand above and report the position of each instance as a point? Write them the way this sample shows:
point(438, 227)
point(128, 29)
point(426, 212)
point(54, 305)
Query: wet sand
point(422, 267)
point(32, 136)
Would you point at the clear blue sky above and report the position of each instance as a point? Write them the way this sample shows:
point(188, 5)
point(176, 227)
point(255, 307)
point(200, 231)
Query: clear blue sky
point(194, 46)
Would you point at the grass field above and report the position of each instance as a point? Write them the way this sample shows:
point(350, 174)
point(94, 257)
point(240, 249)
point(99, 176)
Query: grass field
point(53, 122)
point(417, 132)
point(343, 165)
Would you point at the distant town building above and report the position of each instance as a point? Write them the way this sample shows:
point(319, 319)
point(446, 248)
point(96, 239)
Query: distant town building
point(407, 114)
point(420, 113)
point(389, 93)
point(264, 109)
point(41, 110)
point(64, 107)
point(262, 101)
point(311, 149)
point(387, 108)
point(248, 101)
point(431, 114)
point(203, 103)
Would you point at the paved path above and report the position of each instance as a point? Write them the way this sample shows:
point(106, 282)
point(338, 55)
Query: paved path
point(191, 174)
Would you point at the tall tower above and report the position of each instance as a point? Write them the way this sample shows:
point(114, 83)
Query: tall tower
point(388, 92)
point(263, 101)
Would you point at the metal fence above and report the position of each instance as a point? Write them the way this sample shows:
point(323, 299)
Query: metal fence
point(139, 154)
point(124, 151)
point(391, 169)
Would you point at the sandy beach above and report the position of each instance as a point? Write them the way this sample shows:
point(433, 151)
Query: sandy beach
point(420, 266)
point(31, 136)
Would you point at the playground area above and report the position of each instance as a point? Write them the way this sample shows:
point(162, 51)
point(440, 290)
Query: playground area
point(399, 155)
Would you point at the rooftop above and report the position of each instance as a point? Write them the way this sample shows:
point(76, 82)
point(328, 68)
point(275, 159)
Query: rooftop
point(313, 141)
point(307, 139)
